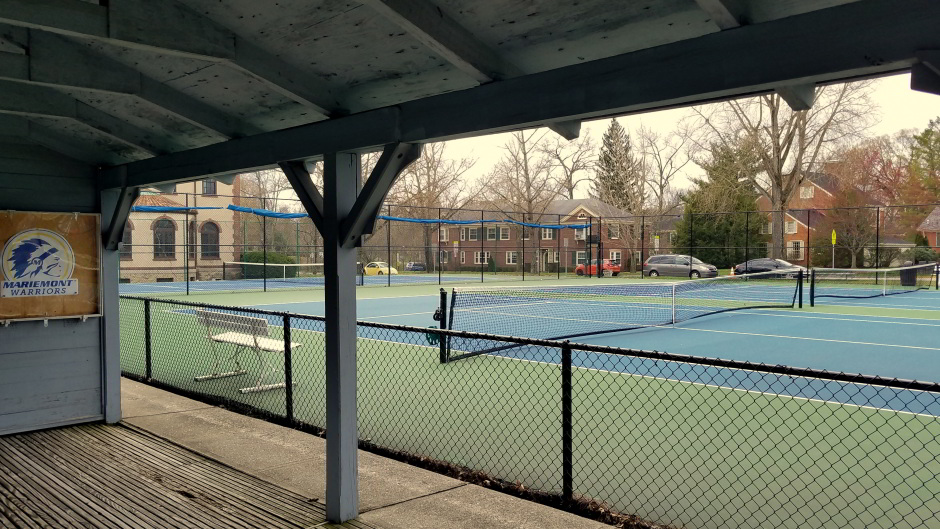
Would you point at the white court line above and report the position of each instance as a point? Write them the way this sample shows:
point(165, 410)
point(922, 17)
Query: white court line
point(770, 313)
point(810, 339)
point(321, 301)
point(878, 306)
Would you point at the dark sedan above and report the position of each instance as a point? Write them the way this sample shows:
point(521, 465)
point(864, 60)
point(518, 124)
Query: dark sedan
point(755, 266)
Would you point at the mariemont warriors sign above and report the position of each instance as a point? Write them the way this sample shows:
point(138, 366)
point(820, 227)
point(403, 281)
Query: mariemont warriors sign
point(49, 265)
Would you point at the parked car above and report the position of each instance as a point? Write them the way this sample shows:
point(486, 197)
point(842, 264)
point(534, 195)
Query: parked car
point(591, 269)
point(679, 266)
point(415, 267)
point(378, 268)
point(754, 266)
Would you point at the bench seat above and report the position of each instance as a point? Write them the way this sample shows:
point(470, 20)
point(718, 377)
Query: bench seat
point(247, 340)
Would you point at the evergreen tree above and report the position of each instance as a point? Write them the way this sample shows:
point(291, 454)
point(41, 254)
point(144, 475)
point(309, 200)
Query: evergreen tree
point(620, 177)
point(715, 226)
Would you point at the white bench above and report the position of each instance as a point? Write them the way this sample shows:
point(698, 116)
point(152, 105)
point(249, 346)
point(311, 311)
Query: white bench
point(244, 332)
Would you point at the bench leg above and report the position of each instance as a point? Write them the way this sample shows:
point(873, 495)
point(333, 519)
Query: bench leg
point(266, 369)
point(217, 367)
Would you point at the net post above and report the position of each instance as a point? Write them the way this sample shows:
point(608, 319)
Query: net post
point(937, 276)
point(443, 325)
point(812, 288)
point(567, 434)
point(799, 287)
point(673, 304)
point(288, 373)
point(148, 350)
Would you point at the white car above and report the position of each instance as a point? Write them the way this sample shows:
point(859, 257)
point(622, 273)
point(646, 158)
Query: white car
point(378, 268)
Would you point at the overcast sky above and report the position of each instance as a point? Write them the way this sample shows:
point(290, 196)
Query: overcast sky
point(899, 108)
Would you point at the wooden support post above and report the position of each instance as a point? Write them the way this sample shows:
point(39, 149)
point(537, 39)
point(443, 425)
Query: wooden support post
point(341, 175)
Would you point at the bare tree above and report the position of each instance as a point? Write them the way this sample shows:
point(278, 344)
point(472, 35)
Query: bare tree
point(789, 144)
point(665, 157)
point(571, 161)
point(521, 181)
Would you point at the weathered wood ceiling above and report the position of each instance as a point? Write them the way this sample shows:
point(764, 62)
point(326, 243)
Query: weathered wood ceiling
point(119, 81)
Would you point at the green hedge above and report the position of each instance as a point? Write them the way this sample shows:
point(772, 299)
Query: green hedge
point(255, 272)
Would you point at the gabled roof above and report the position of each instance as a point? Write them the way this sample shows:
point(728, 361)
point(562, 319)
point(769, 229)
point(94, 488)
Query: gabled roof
point(593, 206)
point(156, 200)
point(931, 222)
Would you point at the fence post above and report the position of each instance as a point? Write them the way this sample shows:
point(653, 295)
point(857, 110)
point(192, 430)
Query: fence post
point(747, 237)
point(558, 249)
point(148, 350)
point(264, 249)
point(809, 258)
point(812, 288)
point(288, 372)
point(799, 287)
point(567, 441)
point(691, 239)
point(186, 236)
point(443, 325)
point(388, 244)
point(642, 244)
point(481, 236)
point(524, 233)
point(440, 255)
point(878, 237)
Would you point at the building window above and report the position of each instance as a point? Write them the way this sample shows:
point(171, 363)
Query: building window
point(164, 239)
point(615, 255)
point(209, 187)
point(580, 257)
point(444, 257)
point(807, 191)
point(209, 237)
point(582, 215)
point(481, 257)
point(548, 234)
point(512, 257)
point(504, 233)
point(468, 234)
point(191, 239)
point(491, 233)
point(127, 242)
point(795, 251)
point(552, 256)
point(525, 233)
point(613, 232)
point(443, 237)
point(767, 229)
point(579, 234)
point(791, 227)
point(463, 257)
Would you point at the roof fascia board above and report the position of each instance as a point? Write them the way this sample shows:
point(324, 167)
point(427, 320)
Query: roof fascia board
point(666, 76)
point(726, 14)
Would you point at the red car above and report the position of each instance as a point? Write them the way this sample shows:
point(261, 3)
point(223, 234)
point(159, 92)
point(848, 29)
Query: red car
point(591, 269)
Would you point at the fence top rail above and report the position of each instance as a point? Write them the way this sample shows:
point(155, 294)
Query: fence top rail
point(800, 372)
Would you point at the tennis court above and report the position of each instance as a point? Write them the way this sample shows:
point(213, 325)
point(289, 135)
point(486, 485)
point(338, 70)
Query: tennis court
point(644, 428)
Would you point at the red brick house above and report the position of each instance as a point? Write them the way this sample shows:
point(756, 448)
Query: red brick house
point(930, 228)
point(514, 247)
point(815, 193)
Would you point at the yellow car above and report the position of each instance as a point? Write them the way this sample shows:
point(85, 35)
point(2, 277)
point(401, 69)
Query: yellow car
point(379, 268)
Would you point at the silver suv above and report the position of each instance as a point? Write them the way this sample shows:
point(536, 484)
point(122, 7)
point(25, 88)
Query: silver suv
point(679, 266)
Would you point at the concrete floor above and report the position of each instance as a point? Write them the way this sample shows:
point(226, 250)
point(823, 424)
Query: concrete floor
point(391, 494)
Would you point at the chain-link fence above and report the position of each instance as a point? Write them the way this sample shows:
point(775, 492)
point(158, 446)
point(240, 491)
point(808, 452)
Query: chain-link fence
point(194, 249)
point(675, 440)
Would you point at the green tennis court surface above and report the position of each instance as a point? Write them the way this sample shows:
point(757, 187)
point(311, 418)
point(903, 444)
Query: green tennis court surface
point(658, 439)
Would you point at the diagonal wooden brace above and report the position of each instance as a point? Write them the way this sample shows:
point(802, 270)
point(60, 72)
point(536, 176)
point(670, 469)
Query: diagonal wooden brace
point(361, 219)
point(307, 192)
point(114, 233)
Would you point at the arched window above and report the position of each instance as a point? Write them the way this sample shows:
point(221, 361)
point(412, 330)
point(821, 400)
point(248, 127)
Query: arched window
point(164, 239)
point(209, 235)
point(127, 242)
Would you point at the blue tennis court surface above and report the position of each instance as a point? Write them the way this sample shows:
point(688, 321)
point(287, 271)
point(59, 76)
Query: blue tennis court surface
point(897, 337)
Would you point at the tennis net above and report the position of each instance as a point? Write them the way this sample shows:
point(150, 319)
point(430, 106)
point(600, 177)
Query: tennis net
point(869, 283)
point(278, 275)
point(563, 312)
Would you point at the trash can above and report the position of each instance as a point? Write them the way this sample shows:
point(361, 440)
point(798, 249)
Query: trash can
point(908, 276)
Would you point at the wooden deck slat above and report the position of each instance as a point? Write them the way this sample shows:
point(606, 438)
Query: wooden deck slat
point(235, 485)
point(131, 494)
point(173, 481)
point(125, 478)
